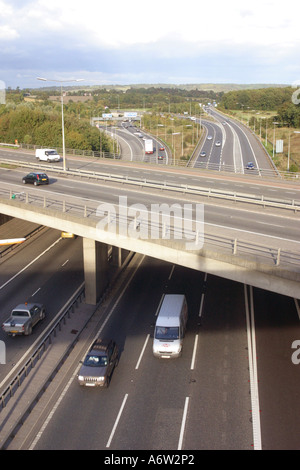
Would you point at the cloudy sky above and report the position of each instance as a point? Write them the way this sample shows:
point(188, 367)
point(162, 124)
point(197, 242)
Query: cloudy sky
point(155, 41)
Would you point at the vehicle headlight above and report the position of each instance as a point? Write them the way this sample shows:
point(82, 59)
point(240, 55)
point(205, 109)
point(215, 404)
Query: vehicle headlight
point(100, 379)
point(80, 377)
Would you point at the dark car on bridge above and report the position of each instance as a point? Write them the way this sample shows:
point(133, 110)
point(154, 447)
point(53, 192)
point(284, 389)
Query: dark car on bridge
point(36, 178)
point(99, 364)
point(250, 166)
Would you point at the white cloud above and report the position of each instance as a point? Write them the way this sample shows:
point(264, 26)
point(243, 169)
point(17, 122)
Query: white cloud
point(121, 23)
point(7, 33)
point(56, 34)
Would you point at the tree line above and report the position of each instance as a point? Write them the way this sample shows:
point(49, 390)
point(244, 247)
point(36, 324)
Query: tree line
point(39, 122)
point(277, 99)
point(42, 126)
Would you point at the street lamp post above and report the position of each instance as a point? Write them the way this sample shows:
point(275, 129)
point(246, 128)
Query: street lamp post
point(295, 132)
point(274, 139)
point(62, 110)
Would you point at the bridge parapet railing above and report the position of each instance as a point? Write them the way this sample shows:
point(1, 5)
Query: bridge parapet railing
point(165, 228)
point(29, 363)
point(194, 190)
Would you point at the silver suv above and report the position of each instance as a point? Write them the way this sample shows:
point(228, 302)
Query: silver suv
point(99, 364)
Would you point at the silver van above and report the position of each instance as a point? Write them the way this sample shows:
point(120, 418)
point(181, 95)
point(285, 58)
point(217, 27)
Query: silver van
point(170, 326)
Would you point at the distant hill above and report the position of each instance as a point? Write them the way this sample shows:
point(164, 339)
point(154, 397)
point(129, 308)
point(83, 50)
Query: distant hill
point(216, 87)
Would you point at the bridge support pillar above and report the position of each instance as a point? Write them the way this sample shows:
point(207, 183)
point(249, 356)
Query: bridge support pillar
point(95, 257)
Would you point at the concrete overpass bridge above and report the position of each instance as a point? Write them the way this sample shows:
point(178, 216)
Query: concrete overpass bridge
point(254, 262)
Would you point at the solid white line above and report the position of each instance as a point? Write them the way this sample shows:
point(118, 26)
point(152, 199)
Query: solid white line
point(252, 233)
point(117, 421)
point(38, 340)
point(186, 404)
point(194, 352)
point(77, 369)
point(253, 371)
point(142, 352)
point(29, 264)
point(46, 422)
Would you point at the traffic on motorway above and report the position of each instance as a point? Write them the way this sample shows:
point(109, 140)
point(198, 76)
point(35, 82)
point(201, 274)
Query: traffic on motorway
point(227, 146)
point(216, 394)
point(200, 400)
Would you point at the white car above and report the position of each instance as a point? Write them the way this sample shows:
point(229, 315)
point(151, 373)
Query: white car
point(218, 143)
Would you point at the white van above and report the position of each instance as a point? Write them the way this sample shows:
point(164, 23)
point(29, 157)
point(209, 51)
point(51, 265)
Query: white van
point(170, 326)
point(47, 155)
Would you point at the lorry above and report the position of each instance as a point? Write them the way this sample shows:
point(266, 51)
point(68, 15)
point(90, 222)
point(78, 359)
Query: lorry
point(148, 146)
point(23, 317)
point(47, 155)
point(170, 326)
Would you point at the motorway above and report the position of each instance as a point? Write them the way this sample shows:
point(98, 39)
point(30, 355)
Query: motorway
point(155, 390)
point(199, 401)
point(228, 145)
point(131, 141)
point(266, 226)
point(203, 400)
point(238, 147)
point(46, 269)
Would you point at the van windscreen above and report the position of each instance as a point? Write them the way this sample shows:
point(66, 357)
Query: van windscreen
point(164, 332)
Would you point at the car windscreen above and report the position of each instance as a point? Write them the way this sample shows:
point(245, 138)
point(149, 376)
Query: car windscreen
point(95, 361)
point(171, 332)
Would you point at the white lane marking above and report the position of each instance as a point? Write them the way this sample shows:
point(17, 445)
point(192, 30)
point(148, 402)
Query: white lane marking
point(142, 352)
point(117, 421)
point(77, 369)
point(194, 352)
point(201, 305)
point(36, 292)
point(38, 340)
point(202, 299)
point(253, 370)
point(186, 405)
point(29, 264)
point(252, 233)
point(46, 422)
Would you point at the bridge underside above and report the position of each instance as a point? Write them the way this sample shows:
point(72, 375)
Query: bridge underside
point(269, 277)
